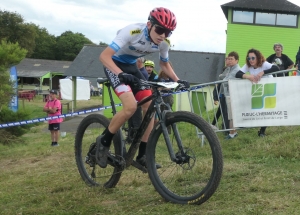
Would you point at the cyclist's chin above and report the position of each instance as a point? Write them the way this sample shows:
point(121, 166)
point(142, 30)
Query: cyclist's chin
point(158, 41)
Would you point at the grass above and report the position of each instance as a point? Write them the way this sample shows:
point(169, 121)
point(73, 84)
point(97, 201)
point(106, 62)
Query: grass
point(261, 176)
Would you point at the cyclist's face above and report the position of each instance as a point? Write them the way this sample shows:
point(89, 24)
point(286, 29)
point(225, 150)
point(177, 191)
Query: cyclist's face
point(157, 39)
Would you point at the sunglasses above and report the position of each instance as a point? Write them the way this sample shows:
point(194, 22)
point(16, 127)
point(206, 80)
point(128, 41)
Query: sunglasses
point(159, 30)
point(251, 58)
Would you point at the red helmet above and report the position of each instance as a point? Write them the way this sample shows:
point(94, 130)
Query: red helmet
point(163, 17)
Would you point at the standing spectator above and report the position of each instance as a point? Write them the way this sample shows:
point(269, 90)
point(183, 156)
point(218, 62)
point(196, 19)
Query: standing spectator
point(281, 60)
point(217, 97)
point(297, 62)
point(233, 60)
point(149, 65)
point(257, 66)
point(141, 67)
point(135, 120)
point(53, 108)
point(92, 89)
point(169, 99)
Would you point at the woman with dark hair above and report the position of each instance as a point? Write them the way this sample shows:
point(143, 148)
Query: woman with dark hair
point(257, 66)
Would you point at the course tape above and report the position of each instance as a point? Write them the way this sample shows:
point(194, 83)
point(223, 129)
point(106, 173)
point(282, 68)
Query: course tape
point(25, 122)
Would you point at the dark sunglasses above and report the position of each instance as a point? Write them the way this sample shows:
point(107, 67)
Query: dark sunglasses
point(251, 58)
point(159, 30)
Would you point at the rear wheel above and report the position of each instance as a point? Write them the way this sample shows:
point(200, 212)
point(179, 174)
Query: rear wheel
point(195, 175)
point(85, 141)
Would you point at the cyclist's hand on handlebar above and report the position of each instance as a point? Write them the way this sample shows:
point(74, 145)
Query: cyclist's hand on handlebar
point(128, 79)
point(184, 84)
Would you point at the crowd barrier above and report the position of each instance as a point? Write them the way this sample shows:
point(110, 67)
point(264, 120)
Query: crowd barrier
point(200, 98)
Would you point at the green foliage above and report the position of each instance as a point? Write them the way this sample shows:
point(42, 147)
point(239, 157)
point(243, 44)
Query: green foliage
point(14, 30)
point(45, 44)
point(69, 44)
point(9, 134)
point(10, 54)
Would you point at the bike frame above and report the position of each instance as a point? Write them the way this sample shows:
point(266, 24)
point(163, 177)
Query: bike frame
point(154, 107)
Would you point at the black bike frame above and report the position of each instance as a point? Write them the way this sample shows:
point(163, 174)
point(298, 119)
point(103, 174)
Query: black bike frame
point(154, 107)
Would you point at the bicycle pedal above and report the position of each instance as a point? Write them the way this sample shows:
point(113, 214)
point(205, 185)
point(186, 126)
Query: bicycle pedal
point(139, 166)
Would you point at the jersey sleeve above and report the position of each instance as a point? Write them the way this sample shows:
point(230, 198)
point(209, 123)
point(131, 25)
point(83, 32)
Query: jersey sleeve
point(266, 65)
point(244, 69)
point(164, 50)
point(123, 37)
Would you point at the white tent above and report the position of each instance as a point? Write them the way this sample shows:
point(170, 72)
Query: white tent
point(82, 92)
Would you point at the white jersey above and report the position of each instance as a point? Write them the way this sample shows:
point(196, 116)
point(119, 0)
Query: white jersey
point(266, 65)
point(133, 42)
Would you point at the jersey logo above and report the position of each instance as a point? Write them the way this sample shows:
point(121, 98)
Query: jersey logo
point(137, 31)
point(168, 41)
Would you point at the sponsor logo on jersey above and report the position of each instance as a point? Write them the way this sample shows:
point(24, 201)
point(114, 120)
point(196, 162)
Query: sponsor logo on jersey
point(142, 52)
point(168, 41)
point(141, 42)
point(131, 47)
point(136, 31)
point(155, 47)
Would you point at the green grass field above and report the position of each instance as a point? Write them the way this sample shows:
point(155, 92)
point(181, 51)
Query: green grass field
point(261, 176)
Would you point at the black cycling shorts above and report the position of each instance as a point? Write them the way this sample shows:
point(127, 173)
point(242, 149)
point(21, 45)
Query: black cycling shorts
point(130, 69)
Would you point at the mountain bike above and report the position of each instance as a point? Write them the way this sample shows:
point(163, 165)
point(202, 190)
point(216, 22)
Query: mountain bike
point(190, 170)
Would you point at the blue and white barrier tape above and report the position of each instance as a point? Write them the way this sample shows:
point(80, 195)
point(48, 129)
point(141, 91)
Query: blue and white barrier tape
point(25, 122)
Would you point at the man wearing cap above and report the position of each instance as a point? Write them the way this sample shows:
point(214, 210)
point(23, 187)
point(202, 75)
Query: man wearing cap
point(279, 59)
point(53, 108)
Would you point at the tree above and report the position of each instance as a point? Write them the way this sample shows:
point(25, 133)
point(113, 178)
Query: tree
point(10, 54)
point(69, 44)
point(44, 44)
point(14, 30)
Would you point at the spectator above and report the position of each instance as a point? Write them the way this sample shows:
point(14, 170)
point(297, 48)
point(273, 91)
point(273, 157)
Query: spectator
point(53, 108)
point(257, 66)
point(281, 60)
point(92, 89)
point(169, 99)
point(297, 62)
point(149, 65)
point(217, 98)
point(233, 60)
point(141, 67)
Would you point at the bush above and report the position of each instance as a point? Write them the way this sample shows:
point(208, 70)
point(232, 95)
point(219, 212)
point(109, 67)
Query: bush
point(8, 135)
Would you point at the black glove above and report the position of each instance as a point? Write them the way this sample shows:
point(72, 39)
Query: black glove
point(128, 78)
point(184, 84)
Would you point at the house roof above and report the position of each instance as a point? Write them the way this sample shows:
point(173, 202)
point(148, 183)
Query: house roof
point(195, 67)
point(265, 5)
point(39, 67)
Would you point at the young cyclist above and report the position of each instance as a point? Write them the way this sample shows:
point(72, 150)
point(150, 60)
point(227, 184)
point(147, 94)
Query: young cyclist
point(119, 60)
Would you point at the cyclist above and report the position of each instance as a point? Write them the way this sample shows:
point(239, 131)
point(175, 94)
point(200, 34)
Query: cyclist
point(119, 60)
point(149, 66)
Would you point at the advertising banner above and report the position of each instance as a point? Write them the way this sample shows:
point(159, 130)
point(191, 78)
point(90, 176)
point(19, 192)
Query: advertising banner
point(270, 102)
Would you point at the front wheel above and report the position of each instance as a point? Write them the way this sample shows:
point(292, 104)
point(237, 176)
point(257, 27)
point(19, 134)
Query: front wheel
point(85, 145)
point(193, 177)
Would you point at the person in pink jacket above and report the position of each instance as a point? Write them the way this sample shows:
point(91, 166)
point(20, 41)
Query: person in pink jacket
point(53, 108)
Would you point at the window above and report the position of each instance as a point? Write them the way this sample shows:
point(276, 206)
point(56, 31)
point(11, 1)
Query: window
point(286, 19)
point(264, 18)
point(243, 16)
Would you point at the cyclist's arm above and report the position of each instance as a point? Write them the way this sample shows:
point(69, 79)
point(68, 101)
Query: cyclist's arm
point(166, 67)
point(106, 59)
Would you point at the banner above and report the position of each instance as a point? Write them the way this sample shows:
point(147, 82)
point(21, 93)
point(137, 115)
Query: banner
point(270, 102)
point(14, 78)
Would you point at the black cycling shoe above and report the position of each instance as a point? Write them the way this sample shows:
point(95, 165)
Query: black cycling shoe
point(101, 153)
point(142, 161)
